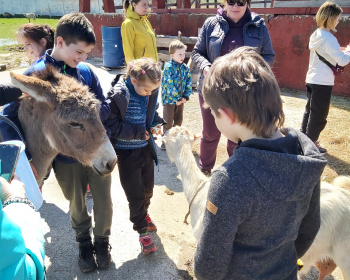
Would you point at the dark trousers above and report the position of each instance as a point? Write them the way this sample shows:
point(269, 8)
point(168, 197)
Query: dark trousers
point(173, 115)
point(136, 173)
point(210, 139)
point(316, 110)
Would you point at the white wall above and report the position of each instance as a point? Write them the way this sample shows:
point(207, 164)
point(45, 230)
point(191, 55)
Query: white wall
point(49, 7)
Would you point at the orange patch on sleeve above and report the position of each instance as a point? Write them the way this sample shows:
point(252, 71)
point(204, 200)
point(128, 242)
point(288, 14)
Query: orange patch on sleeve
point(211, 207)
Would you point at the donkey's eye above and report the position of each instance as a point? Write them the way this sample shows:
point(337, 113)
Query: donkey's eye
point(76, 125)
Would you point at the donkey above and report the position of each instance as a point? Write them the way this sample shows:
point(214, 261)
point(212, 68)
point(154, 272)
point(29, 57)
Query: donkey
point(331, 242)
point(60, 116)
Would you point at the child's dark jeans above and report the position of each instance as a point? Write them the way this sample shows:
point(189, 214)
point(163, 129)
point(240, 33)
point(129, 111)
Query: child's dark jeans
point(316, 110)
point(136, 173)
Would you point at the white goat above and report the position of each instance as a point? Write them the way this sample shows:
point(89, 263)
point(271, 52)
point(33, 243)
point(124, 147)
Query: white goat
point(331, 242)
point(178, 143)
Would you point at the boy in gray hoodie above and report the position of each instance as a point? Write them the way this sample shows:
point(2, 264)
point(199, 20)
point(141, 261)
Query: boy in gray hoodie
point(263, 208)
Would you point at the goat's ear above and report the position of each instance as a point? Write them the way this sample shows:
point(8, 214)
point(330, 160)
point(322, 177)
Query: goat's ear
point(35, 87)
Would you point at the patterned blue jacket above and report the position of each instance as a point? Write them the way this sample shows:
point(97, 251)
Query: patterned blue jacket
point(176, 82)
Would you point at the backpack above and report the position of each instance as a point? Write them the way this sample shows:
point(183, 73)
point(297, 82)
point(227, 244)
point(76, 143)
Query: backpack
point(83, 69)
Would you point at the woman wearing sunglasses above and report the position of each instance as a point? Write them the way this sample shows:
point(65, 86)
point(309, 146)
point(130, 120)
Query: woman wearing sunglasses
point(232, 27)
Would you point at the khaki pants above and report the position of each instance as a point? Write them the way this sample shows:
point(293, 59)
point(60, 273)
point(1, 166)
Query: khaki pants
point(173, 115)
point(73, 180)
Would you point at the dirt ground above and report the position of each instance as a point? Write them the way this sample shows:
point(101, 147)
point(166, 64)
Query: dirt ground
point(14, 57)
point(174, 239)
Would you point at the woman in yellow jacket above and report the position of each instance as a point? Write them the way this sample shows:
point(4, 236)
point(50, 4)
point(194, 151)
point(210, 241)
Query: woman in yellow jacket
point(137, 33)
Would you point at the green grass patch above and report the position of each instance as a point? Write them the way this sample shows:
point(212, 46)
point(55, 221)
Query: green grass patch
point(9, 26)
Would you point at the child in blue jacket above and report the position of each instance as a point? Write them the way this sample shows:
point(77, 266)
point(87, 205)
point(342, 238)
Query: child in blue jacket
point(176, 86)
point(133, 103)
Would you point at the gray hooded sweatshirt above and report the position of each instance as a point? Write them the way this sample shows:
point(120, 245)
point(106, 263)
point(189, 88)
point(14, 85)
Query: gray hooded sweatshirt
point(263, 210)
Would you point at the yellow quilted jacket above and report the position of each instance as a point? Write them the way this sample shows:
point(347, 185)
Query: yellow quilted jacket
point(138, 37)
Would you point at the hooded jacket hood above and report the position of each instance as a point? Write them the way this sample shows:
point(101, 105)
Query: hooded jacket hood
point(131, 14)
point(318, 38)
point(270, 165)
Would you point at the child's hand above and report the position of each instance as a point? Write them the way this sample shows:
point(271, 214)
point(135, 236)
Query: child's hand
point(178, 102)
point(206, 70)
point(156, 129)
point(183, 100)
point(146, 135)
point(15, 188)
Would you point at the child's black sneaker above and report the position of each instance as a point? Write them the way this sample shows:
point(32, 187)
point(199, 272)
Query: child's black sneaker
point(147, 245)
point(151, 226)
point(102, 251)
point(321, 149)
point(86, 257)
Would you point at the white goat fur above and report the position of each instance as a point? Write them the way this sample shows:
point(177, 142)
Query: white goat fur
point(178, 143)
point(332, 240)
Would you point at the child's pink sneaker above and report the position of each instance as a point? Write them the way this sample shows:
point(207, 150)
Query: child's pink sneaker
point(151, 226)
point(147, 245)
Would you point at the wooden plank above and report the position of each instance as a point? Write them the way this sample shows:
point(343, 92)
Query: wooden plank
point(158, 4)
point(84, 6)
point(269, 11)
point(108, 6)
point(163, 41)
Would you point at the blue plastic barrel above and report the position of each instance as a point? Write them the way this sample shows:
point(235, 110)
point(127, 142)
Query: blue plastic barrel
point(112, 47)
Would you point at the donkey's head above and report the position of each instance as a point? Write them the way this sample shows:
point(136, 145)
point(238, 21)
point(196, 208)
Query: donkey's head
point(60, 115)
point(176, 138)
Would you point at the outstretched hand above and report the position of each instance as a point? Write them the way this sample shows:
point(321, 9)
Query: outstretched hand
point(15, 188)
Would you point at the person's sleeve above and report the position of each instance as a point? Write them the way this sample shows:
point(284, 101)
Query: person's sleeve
point(21, 242)
point(128, 38)
point(214, 250)
point(97, 90)
point(9, 93)
point(310, 224)
point(188, 89)
point(333, 50)
point(168, 88)
point(267, 51)
point(120, 129)
point(199, 54)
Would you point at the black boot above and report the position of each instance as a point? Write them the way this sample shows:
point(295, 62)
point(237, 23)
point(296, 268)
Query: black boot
point(102, 251)
point(86, 256)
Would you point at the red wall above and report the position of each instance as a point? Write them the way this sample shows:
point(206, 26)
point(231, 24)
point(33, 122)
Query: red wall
point(289, 34)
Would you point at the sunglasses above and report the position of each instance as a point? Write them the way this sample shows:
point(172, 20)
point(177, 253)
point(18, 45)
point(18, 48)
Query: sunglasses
point(240, 3)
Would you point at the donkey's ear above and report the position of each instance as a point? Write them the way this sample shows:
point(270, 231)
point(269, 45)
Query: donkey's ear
point(35, 87)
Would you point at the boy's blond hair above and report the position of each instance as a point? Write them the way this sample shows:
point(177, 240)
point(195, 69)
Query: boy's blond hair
point(327, 14)
point(176, 45)
point(243, 82)
point(74, 28)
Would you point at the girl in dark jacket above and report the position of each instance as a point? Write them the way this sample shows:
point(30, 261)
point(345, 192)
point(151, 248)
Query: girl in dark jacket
point(133, 119)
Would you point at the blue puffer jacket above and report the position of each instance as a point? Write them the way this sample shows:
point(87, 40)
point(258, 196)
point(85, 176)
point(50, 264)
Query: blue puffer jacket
point(208, 46)
point(176, 82)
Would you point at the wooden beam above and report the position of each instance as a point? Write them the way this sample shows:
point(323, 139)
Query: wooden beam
point(163, 41)
point(108, 6)
point(158, 4)
point(269, 11)
point(84, 6)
